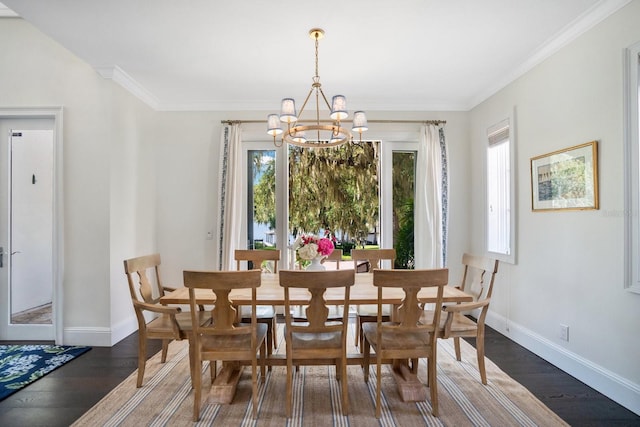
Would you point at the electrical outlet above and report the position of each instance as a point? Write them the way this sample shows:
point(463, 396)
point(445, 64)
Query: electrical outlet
point(564, 332)
point(209, 235)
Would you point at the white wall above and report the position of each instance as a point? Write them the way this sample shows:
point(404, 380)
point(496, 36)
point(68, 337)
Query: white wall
point(37, 72)
point(133, 200)
point(570, 263)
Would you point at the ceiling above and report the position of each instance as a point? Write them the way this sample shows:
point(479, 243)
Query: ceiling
point(414, 55)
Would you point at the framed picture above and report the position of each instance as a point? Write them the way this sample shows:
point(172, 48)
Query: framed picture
point(566, 179)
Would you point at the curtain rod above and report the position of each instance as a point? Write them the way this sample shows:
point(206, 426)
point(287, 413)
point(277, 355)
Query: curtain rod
point(426, 122)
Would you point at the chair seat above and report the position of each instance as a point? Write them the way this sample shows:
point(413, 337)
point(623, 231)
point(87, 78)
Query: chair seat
point(324, 340)
point(163, 324)
point(396, 340)
point(233, 342)
point(460, 323)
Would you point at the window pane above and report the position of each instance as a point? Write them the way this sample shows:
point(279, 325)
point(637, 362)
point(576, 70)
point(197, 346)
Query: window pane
point(404, 173)
point(335, 191)
point(498, 198)
point(261, 198)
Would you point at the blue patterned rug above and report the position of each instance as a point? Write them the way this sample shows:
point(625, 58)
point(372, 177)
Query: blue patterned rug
point(20, 365)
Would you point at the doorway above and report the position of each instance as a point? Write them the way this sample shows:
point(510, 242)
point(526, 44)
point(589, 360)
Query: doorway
point(29, 285)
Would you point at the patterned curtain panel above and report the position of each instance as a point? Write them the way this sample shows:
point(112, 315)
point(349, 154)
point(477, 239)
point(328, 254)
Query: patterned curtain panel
point(445, 195)
point(230, 197)
point(432, 184)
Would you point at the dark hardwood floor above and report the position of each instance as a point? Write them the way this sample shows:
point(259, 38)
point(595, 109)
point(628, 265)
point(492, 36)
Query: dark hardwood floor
point(65, 394)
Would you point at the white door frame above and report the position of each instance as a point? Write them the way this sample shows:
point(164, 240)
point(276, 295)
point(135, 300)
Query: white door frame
point(56, 114)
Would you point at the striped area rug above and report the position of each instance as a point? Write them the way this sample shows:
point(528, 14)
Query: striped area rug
point(166, 398)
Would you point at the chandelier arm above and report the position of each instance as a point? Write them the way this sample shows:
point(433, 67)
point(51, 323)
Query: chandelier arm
point(336, 124)
point(318, 89)
point(304, 104)
point(326, 101)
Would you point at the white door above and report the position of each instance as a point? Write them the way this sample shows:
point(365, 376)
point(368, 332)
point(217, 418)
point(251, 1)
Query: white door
point(26, 229)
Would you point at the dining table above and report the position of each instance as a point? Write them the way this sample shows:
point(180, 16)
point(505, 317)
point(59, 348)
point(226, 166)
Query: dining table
point(271, 293)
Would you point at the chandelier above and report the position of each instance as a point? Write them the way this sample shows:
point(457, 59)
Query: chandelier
point(318, 133)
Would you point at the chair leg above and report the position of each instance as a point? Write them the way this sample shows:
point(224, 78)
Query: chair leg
point(480, 353)
point(254, 384)
point(433, 384)
point(192, 368)
point(269, 337)
point(366, 361)
point(456, 344)
point(142, 358)
point(263, 359)
point(165, 349)
point(274, 329)
point(345, 388)
point(197, 387)
point(289, 386)
point(378, 385)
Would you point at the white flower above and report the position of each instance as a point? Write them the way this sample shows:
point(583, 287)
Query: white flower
point(309, 251)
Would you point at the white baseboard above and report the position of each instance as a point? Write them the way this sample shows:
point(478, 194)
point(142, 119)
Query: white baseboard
point(98, 336)
point(615, 387)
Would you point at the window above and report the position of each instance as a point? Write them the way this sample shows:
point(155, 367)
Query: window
point(404, 177)
point(261, 199)
point(632, 163)
point(500, 200)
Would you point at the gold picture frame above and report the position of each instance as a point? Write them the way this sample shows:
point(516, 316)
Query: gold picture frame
point(565, 179)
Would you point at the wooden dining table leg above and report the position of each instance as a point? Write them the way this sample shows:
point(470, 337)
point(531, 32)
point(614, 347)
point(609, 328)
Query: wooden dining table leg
point(224, 386)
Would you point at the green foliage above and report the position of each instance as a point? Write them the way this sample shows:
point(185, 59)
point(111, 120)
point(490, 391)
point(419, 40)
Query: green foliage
point(333, 188)
point(404, 242)
point(403, 208)
point(264, 192)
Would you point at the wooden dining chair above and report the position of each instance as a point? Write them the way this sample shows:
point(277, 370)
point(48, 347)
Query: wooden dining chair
point(318, 338)
point(264, 313)
point(335, 312)
point(408, 337)
point(372, 259)
point(145, 287)
point(225, 339)
point(336, 256)
point(477, 280)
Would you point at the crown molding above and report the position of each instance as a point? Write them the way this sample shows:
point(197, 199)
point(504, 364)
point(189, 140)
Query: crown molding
point(5, 12)
point(116, 74)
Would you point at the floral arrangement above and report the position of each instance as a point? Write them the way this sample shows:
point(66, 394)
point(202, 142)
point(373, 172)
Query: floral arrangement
point(310, 247)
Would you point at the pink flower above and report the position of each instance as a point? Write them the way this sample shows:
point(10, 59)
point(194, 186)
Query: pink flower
point(325, 246)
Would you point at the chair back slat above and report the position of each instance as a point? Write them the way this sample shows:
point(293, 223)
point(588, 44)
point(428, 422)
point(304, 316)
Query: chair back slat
point(474, 280)
point(144, 288)
point(221, 283)
point(411, 281)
